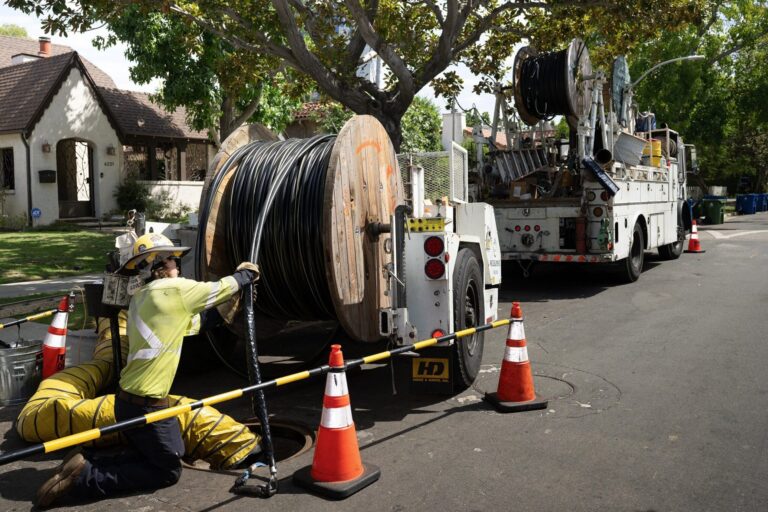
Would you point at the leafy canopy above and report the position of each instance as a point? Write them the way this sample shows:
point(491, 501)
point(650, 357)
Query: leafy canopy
point(9, 29)
point(328, 40)
point(718, 104)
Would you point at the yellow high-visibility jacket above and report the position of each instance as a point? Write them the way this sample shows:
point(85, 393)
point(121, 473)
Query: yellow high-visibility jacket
point(159, 315)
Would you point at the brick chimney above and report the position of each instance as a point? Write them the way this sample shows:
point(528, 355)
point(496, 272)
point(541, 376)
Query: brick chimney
point(45, 47)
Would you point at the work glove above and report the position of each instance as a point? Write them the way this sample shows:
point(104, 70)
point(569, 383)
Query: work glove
point(228, 310)
point(254, 268)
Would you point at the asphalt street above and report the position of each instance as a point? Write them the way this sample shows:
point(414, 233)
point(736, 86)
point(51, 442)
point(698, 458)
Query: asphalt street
point(658, 401)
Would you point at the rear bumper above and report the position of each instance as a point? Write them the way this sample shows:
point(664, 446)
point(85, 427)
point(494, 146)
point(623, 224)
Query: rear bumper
point(559, 258)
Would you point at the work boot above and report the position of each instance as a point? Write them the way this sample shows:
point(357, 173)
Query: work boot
point(62, 481)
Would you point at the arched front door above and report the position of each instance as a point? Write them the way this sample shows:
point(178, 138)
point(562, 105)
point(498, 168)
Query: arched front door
point(74, 166)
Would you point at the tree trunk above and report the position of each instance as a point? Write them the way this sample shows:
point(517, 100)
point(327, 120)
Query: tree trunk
point(392, 124)
point(227, 116)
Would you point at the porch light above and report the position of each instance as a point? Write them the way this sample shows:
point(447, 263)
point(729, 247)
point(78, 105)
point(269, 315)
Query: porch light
point(111, 150)
point(46, 147)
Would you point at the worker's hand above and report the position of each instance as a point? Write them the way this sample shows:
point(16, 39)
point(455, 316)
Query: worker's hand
point(254, 268)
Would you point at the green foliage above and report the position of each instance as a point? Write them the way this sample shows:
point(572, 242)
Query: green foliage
point(243, 44)
point(331, 117)
point(132, 195)
point(474, 118)
point(719, 104)
point(563, 130)
point(164, 208)
point(422, 127)
point(9, 29)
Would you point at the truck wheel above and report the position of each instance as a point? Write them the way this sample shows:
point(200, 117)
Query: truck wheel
point(633, 264)
point(468, 308)
point(671, 251)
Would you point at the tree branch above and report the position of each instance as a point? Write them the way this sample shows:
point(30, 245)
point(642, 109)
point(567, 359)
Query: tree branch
point(705, 28)
point(265, 44)
point(736, 47)
point(388, 55)
point(356, 44)
point(310, 64)
point(442, 56)
point(247, 113)
point(437, 12)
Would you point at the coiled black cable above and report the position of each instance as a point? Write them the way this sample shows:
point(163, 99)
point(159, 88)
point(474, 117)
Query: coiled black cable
point(544, 85)
point(274, 211)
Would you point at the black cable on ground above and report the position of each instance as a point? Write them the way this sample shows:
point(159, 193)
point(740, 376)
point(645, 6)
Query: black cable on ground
point(275, 202)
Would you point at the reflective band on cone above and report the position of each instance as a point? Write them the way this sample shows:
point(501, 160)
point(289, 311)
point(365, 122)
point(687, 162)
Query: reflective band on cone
point(515, 390)
point(337, 470)
point(55, 341)
point(694, 245)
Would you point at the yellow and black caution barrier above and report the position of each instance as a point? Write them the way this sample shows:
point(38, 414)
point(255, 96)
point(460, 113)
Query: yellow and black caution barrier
point(30, 318)
point(171, 412)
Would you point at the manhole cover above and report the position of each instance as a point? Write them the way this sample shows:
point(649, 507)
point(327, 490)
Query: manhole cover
point(570, 391)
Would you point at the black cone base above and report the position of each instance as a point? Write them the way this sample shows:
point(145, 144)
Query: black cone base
point(336, 490)
point(695, 252)
point(500, 406)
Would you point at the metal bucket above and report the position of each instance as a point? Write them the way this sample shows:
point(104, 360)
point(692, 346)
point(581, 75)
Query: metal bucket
point(20, 372)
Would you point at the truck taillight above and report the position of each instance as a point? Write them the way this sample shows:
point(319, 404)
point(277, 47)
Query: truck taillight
point(434, 268)
point(527, 228)
point(537, 228)
point(434, 246)
point(437, 333)
point(598, 212)
point(517, 228)
point(604, 195)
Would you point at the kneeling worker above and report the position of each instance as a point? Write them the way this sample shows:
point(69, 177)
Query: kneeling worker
point(158, 316)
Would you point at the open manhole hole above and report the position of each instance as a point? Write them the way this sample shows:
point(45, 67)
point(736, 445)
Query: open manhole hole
point(290, 438)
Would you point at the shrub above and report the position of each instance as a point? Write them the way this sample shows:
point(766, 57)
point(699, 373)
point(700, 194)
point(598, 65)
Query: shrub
point(162, 207)
point(132, 195)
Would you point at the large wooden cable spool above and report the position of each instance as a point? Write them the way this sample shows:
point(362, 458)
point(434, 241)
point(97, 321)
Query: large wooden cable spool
point(362, 186)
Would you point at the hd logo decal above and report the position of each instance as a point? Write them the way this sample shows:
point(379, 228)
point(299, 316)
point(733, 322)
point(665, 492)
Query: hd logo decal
point(434, 370)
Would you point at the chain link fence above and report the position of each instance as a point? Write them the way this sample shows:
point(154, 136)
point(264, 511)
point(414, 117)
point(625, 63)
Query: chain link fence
point(445, 173)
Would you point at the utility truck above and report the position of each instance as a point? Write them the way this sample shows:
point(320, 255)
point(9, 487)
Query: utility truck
point(611, 191)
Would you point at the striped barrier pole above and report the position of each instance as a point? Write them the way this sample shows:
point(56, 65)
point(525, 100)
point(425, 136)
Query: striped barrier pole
point(20, 321)
point(172, 412)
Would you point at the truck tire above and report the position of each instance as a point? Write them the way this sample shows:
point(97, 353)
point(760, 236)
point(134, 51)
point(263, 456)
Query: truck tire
point(632, 266)
point(468, 307)
point(671, 251)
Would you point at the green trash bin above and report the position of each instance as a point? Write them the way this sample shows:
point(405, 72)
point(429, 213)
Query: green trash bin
point(714, 209)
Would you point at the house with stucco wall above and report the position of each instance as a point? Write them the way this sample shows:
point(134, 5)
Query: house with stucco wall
point(68, 137)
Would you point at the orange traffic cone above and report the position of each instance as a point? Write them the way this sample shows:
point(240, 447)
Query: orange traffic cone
point(693, 243)
point(336, 471)
point(55, 342)
point(515, 391)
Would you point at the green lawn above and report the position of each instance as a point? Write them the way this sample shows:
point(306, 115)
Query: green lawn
point(31, 255)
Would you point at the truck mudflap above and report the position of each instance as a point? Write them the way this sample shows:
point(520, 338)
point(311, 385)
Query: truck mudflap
point(560, 258)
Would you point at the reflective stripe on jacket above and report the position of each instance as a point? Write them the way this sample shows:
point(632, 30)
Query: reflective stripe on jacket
point(159, 315)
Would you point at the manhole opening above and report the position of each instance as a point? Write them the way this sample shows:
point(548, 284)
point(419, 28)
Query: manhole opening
point(290, 438)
